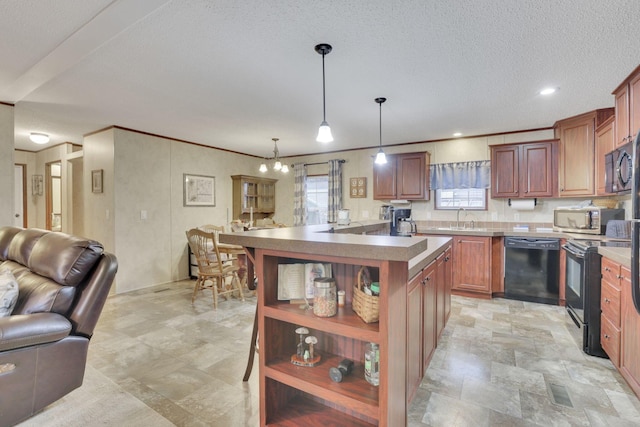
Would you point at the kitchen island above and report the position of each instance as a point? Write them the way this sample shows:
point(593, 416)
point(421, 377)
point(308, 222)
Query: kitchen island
point(299, 395)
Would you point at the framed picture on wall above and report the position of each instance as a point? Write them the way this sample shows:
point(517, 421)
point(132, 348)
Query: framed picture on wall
point(96, 181)
point(199, 190)
point(358, 187)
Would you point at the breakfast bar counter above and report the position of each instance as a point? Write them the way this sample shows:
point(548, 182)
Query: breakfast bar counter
point(291, 391)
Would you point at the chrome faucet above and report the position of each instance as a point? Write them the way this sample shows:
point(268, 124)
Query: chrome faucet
point(458, 217)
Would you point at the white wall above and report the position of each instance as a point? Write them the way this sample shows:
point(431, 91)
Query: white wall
point(6, 165)
point(143, 176)
point(98, 208)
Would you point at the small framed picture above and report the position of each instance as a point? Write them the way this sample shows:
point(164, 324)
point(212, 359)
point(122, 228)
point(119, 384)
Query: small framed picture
point(358, 187)
point(96, 181)
point(199, 190)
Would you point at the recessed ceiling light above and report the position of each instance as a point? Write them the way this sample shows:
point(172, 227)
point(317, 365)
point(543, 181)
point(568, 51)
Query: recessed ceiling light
point(548, 90)
point(39, 138)
point(457, 134)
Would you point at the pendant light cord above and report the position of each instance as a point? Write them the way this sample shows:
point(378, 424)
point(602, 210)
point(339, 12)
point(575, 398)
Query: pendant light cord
point(380, 124)
point(324, 102)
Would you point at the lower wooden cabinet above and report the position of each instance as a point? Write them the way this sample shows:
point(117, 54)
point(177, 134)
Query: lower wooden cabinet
point(629, 334)
point(428, 307)
point(476, 267)
point(620, 329)
point(421, 325)
point(610, 306)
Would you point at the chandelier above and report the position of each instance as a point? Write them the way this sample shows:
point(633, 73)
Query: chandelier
point(277, 164)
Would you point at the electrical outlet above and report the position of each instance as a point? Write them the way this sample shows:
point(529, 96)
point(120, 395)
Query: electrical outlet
point(428, 214)
point(494, 216)
point(516, 216)
point(143, 215)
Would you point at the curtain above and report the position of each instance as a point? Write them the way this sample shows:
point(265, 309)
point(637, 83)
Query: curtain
point(335, 190)
point(476, 174)
point(299, 194)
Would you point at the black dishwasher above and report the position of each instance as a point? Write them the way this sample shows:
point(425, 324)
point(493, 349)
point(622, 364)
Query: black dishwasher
point(532, 269)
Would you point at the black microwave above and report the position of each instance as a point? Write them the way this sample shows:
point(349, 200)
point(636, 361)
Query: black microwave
point(619, 169)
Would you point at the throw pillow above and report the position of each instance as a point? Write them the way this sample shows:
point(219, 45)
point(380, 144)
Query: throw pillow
point(8, 292)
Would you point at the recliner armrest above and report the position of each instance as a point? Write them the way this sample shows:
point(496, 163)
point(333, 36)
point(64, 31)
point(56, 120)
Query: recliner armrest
point(32, 329)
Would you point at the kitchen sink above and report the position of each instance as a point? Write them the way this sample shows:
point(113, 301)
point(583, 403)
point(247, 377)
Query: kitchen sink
point(454, 228)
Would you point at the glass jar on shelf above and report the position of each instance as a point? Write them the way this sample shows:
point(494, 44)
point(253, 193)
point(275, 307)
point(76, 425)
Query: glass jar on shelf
point(372, 363)
point(325, 302)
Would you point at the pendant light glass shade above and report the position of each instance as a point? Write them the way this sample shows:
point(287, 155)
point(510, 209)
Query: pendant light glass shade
point(381, 159)
point(324, 132)
point(263, 167)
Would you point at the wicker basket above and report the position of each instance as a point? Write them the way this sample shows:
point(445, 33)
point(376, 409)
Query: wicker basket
point(365, 305)
point(605, 203)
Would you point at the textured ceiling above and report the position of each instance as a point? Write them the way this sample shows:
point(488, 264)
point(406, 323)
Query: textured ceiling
point(233, 74)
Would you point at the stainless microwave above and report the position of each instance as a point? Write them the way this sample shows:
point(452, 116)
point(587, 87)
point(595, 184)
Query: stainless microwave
point(588, 220)
point(619, 169)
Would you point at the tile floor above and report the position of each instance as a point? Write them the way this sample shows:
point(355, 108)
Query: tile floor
point(157, 360)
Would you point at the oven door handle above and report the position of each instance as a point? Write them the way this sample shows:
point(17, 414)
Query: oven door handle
point(572, 251)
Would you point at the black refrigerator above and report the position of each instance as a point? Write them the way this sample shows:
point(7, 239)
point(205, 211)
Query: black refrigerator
point(635, 225)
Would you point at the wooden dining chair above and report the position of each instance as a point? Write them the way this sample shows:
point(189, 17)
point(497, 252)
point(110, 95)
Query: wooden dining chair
point(214, 272)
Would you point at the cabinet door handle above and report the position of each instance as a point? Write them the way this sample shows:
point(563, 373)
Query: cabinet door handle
point(606, 336)
point(459, 241)
point(446, 258)
point(607, 269)
point(607, 300)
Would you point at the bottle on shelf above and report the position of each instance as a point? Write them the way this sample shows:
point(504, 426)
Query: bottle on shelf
point(372, 363)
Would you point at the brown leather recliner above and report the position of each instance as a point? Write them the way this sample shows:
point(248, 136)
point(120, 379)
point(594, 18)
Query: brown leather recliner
point(64, 282)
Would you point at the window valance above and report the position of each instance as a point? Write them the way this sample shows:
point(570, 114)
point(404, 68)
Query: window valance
point(475, 174)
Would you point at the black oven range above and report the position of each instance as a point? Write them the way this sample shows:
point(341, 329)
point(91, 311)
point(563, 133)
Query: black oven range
point(582, 290)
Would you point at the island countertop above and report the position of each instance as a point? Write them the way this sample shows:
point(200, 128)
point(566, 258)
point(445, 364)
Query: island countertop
point(345, 241)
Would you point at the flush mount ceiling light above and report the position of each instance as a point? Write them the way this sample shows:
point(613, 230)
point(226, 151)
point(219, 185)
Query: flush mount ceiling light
point(277, 165)
point(324, 132)
point(457, 134)
point(548, 91)
point(381, 159)
point(39, 138)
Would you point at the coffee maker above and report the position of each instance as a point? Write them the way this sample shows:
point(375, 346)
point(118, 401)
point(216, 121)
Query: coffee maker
point(398, 216)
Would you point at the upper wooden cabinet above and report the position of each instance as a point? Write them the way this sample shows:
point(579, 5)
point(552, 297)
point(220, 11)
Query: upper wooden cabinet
point(627, 109)
point(255, 195)
point(404, 176)
point(605, 143)
point(524, 170)
point(576, 154)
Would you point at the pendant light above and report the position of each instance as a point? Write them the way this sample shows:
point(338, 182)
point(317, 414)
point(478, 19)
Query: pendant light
point(324, 133)
point(381, 159)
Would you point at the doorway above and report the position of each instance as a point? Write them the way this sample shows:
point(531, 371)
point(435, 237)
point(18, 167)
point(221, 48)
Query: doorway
point(20, 195)
point(53, 173)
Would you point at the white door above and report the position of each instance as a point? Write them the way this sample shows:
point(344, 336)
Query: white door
point(18, 198)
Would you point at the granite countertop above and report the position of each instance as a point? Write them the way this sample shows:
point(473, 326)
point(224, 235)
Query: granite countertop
point(505, 232)
point(345, 241)
point(619, 255)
